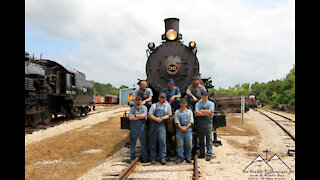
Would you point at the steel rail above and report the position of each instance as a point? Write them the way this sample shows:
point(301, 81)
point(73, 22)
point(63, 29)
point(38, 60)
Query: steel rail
point(284, 129)
point(127, 171)
point(195, 168)
point(280, 115)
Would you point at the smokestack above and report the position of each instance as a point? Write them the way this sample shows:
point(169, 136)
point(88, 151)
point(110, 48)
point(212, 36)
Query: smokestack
point(171, 23)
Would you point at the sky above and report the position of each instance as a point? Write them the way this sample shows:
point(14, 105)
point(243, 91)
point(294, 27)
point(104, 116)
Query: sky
point(238, 41)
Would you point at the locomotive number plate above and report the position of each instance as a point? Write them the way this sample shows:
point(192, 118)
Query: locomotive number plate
point(172, 68)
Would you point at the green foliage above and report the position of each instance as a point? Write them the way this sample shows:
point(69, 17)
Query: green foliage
point(237, 90)
point(104, 89)
point(274, 92)
point(278, 91)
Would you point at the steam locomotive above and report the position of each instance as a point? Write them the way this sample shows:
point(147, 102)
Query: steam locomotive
point(172, 59)
point(52, 89)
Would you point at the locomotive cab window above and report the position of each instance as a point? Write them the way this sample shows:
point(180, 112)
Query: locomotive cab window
point(70, 84)
point(70, 80)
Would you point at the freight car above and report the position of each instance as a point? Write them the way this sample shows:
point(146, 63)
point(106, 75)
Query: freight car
point(111, 99)
point(52, 89)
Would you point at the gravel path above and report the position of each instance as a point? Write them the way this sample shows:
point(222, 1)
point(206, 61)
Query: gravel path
point(240, 156)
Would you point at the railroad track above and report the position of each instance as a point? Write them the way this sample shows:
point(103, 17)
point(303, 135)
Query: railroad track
point(61, 119)
point(287, 126)
point(291, 120)
point(128, 170)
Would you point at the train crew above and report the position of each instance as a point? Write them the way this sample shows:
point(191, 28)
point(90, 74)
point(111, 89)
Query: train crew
point(173, 94)
point(145, 93)
point(194, 91)
point(158, 114)
point(204, 114)
point(137, 117)
point(183, 118)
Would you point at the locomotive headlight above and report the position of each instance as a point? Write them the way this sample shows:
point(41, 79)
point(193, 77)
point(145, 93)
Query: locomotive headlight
point(192, 44)
point(171, 34)
point(151, 45)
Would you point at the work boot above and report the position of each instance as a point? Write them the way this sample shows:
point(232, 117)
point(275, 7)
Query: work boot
point(208, 158)
point(188, 160)
point(179, 161)
point(163, 162)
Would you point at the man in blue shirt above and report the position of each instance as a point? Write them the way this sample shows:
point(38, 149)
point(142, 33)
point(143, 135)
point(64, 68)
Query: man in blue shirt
point(137, 117)
point(204, 113)
point(173, 94)
point(158, 114)
point(183, 118)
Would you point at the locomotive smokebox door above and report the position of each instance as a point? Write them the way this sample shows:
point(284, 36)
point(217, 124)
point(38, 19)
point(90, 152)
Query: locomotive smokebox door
point(125, 122)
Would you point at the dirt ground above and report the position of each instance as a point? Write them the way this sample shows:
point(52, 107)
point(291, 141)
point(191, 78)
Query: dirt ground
point(76, 154)
point(71, 154)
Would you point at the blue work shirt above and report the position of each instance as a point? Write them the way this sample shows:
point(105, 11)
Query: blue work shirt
point(183, 118)
point(160, 110)
point(171, 92)
point(209, 105)
point(135, 110)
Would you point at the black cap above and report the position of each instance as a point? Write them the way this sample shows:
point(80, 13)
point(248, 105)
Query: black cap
point(138, 98)
point(162, 95)
point(183, 100)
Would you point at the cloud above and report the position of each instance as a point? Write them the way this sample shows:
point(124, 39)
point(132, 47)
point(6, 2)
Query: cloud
point(238, 41)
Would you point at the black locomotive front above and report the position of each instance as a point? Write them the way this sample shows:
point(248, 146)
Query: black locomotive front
point(171, 59)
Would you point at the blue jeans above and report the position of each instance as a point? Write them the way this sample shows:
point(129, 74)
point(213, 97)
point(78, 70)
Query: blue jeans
point(184, 144)
point(205, 131)
point(157, 132)
point(148, 104)
point(138, 129)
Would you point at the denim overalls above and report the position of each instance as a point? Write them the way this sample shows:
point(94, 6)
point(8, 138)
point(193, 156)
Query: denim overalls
point(138, 129)
point(204, 125)
point(184, 140)
point(158, 132)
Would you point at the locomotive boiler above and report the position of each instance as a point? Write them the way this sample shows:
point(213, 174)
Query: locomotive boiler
point(172, 59)
point(52, 89)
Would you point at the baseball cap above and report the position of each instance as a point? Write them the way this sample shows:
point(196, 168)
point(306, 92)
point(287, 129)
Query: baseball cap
point(162, 95)
point(196, 77)
point(204, 93)
point(183, 100)
point(138, 98)
point(170, 80)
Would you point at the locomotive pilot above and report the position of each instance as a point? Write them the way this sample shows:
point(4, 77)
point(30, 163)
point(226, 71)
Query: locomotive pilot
point(158, 114)
point(183, 118)
point(145, 93)
point(173, 94)
point(204, 114)
point(194, 91)
point(137, 117)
